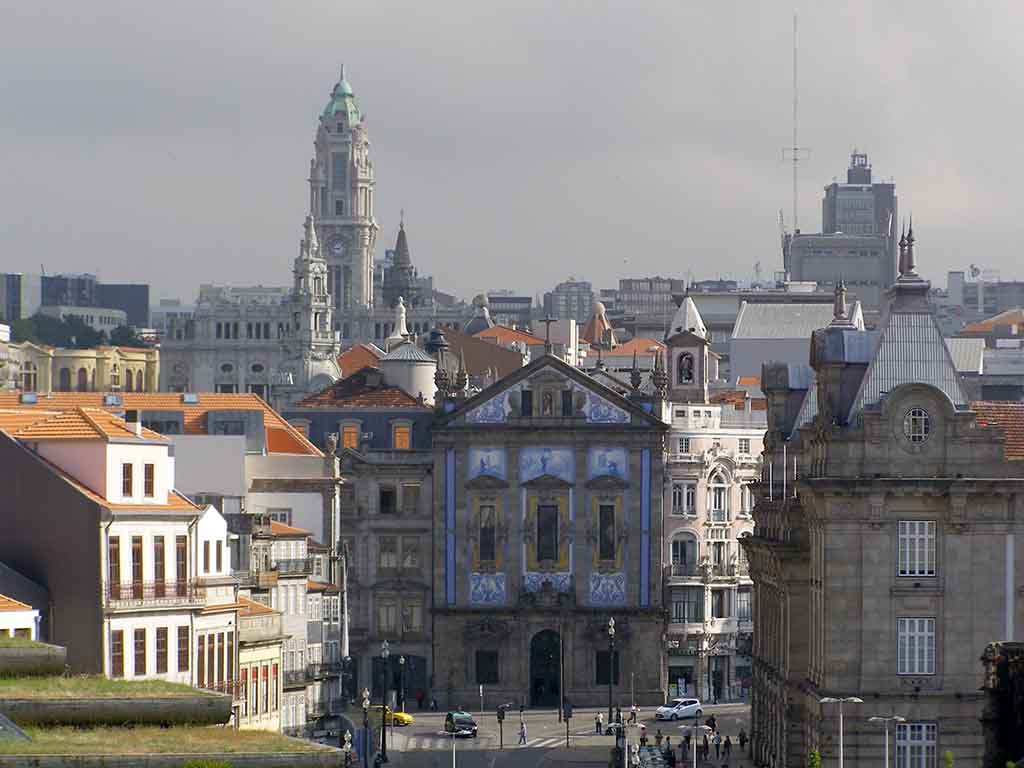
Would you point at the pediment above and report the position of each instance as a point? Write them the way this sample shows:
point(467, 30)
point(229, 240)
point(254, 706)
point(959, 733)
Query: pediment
point(606, 483)
point(547, 481)
point(486, 483)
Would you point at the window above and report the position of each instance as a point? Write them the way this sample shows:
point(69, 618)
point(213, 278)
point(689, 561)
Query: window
point(350, 436)
point(339, 207)
point(487, 668)
point(401, 437)
point(126, 480)
point(201, 661)
point(916, 547)
point(744, 448)
point(228, 426)
point(183, 649)
point(161, 650)
point(567, 409)
point(526, 402)
point(140, 652)
point(244, 674)
point(680, 413)
point(606, 537)
point(916, 652)
point(148, 478)
point(159, 573)
point(410, 552)
point(386, 497)
point(719, 603)
point(220, 556)
point(719, 493)
point(117, 653)
point(917, 425)
point(137, 567)
point(219, 652)
point(387, 617)
point(916, 745)
point(743, 604)
point(684, 556)
point(388, 557)
point(273, 687)
point(547, 532)
point(181, 563)
point(684, 445)
point(688, 604)
point(410, 499)
point(114, 566)
point(607, 665)
point(488, 544)
point(206, 557)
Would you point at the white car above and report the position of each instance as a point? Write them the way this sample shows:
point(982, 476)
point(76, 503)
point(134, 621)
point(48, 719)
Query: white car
point(679, 709)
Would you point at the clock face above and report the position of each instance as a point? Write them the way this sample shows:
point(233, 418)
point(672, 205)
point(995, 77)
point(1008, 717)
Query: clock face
point(337, 246)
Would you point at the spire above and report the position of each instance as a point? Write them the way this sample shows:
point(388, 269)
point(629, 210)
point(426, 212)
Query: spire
point(910, 267)
point(402, 257)
point(341, 76)
point(310, 243)
point(902, 265)
point(634, 375)
point(660, 377)
point(461, 377)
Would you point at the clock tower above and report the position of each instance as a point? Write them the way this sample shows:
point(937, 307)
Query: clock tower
point(341, 201)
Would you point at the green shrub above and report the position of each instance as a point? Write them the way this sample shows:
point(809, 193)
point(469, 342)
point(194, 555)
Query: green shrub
point(814, 759)
point(947, 759)
point(207, 764)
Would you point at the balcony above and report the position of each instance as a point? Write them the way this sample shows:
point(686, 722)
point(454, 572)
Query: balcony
point(153, 594)
point(683, 512)
point(302, 565)
point(683, 570)
point(324, 669)
point(293, 678)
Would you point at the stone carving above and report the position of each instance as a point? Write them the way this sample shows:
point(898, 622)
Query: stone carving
point(488, 629)
point(533, 581)
point(537, 462)
point(608, 461)
point(331, 443)
point(608, 588)
point(493, 411)
point(600, 411)
point(487, 589)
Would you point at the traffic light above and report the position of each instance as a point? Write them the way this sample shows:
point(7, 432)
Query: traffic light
point(501, 714)
point(567, 711)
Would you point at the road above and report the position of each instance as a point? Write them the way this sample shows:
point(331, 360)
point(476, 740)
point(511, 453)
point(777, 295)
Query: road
point(424, 744)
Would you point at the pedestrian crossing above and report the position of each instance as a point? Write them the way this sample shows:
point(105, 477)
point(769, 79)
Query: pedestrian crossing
point(428, 743)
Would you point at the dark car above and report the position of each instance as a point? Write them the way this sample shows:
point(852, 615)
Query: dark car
point(460, 724)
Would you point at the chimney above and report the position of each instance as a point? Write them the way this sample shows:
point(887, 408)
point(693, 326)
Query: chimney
point(133, 422)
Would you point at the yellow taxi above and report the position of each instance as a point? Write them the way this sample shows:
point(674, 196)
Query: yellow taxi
point(394, 718)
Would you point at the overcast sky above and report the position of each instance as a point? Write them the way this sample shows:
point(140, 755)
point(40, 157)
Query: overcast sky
point(527, 141)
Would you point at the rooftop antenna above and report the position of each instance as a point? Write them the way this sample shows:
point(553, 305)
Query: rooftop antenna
point(795, 153)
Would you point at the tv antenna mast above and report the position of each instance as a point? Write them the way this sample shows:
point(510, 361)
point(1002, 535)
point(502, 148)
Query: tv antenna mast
point(795, 153)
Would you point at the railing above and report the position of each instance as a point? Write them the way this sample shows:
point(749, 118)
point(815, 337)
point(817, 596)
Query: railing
point(683, 512)
point(683, 569)
point(152, 593)
point(295, 677)
point(686, 619)
point(323, 669)
point(298, 565)
point(723, 570)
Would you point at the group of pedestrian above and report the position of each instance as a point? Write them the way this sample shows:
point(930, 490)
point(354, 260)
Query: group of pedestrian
point(721, 746)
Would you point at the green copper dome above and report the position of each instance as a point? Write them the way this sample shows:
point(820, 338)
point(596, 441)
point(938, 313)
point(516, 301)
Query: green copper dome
point(343, 101)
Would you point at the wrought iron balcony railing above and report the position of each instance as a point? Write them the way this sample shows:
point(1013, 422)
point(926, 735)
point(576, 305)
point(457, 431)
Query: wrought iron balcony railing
point(152, 594)
point(296, 565)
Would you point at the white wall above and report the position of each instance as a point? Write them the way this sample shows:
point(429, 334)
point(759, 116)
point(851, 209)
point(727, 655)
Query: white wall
point(84, 460)
point(210, 464)
point(307, 509)
point(19, 620)
point(138, 456)
point(147, 529)
point(212, 530)
point(150, 621)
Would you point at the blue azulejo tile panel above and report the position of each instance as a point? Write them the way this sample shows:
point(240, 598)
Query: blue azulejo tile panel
point(538, 461)
point(486, 461)
point(487, 589)
point(607, 589)
point(494, 411)
point(560, 582)
point(600, 411)
point(604, 460)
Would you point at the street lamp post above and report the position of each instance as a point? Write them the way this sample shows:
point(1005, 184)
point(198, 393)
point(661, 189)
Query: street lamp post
point(401, 681)
point(840, 702)
point(385, 653)
point(885, 722)
point(346, 748)
point(366, 728)
point(611, 664)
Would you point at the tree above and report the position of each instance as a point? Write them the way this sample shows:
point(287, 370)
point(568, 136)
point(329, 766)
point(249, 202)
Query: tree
point(947, 759)
point(124, 336)
point(814, 759)
point(54, 332)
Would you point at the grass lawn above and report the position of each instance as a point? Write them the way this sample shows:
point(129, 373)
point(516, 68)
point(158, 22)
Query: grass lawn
point(150, 740)
point(90, 686)
point(6, 641)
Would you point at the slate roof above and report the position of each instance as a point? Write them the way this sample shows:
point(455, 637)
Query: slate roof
point(408, 352)
point(1008, 417)
point(781, 321)
point(967, 354)
point(282, 437)
point(364, 389)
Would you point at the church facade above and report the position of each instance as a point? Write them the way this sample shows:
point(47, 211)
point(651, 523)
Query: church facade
point(547, 527)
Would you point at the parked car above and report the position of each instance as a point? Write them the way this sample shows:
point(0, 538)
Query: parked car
point(395, 718)
point(679, 709)
point(460, 724)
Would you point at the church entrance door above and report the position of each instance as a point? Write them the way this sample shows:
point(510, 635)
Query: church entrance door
point(545, 653)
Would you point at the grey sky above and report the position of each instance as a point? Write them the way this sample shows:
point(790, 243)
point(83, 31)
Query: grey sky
point(527, 141)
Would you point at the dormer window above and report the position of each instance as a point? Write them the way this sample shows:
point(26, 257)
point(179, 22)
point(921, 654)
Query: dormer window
point(685, 368)
point(401, 437)
point(917, 425)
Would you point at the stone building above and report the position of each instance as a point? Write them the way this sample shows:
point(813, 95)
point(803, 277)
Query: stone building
point(889, 517)
point(712, 457)
point(44, 369)
point(546, 526)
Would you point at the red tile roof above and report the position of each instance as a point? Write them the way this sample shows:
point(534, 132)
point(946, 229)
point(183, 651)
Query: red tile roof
point(280, 529)
point(638, 345)
point(737, 398)
point(365, 389)
point(77, 424)
point(282, 437)
point(320, 586)
point(1009, 317)
point(356, 358)
point(1007, 417)
point(749, 381)
point(249, 607)
point(10, 604)
point(504, 335)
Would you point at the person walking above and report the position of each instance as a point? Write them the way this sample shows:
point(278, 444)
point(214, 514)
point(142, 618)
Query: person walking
point(743, 740)
point(657, 738)
point(706, 748)
point(727, 748)
point(686, 746)
point(522, 733)
point(718, 745)
point(618, 715)
point(634, 711)
point(598, 723)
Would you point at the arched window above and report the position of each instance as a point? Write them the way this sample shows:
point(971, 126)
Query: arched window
point(64, 385)
point(83, 380)
point(115, 377)
point(129, 382)
point(29, 377)
point(138, 381)
point(718, 497)
point(685, 551)
point(685, 368)
point(742, 566)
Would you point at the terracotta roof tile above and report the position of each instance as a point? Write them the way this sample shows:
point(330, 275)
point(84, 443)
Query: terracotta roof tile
point(638, 345)
point(320, 586)
point(10, 604)
point(252, 608)
point(77, 424)
point(1007, 417)
point(737, 398)
point(749, 381)
point(356, 358)
point(280, 529)
point(1009, 317)
point(365, 389)
point(194, 413)
point(504, 335)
